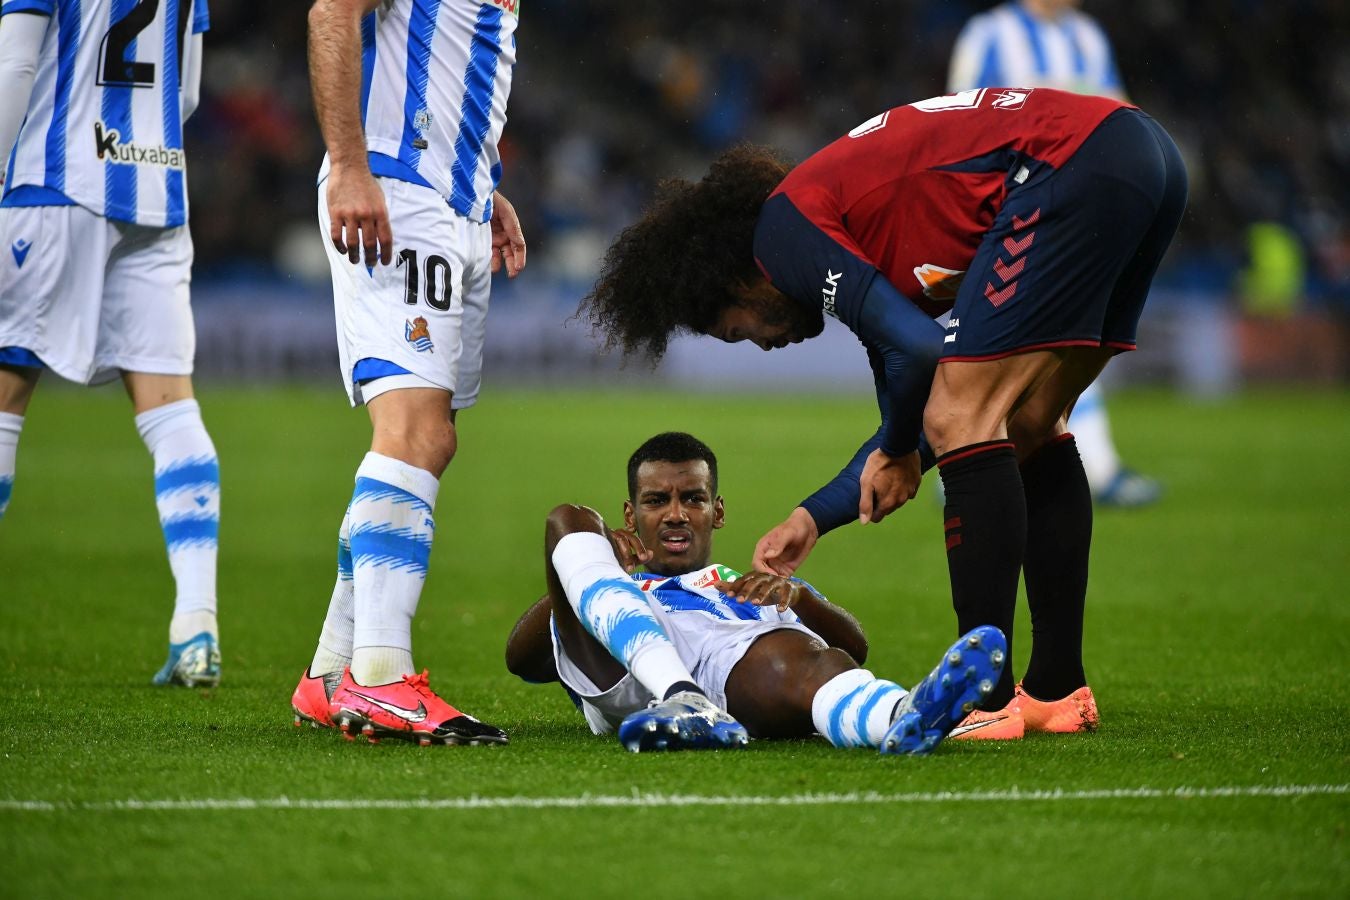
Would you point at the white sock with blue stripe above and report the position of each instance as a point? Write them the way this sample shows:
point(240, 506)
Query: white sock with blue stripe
point(187, 493)
point(855, 708)
point(10, 426)
point(615, 611)
point(334, 652)
point(391, 531)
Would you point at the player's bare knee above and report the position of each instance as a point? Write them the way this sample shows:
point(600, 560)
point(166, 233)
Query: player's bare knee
point(1030, 432)
point(434, 445)
point(571, 518)
point(946, 425)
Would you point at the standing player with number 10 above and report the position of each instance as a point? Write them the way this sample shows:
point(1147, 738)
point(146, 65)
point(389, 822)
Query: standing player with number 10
point(94, 277)
point(411, 98)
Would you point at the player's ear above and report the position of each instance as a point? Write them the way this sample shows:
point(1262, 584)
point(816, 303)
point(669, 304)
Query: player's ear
point(629, 520)
point(719, 512)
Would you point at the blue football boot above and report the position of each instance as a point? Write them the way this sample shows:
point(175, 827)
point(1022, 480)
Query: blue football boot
point(193, 663)
point(685, 721)
point(966, 675)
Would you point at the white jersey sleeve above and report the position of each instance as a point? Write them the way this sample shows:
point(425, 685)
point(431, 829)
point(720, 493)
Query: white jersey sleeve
point(435, 79)
point(20, 43)
point(104, 127)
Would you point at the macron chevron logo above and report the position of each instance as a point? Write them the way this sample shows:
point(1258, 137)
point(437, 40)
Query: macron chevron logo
point(20, 250)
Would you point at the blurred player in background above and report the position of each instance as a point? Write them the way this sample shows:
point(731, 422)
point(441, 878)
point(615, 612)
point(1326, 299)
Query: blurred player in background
point(659, 654)
point(1050, 43)
point(411, 99)
point(995, 205)
point(97, 256)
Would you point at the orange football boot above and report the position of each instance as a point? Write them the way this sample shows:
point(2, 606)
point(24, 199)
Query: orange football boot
point(311, 698)
point(1076, 712)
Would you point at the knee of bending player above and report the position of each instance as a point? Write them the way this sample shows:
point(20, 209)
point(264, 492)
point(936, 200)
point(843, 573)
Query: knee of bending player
point(1030, 432)
point(951, 421)
point(943, 425)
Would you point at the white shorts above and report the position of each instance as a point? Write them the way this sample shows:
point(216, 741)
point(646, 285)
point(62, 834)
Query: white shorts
point(93, 297)
point(425, 312)
point(710, 647)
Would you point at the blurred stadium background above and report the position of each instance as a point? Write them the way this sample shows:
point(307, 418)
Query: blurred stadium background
point(1214, 631)
point(608, 98)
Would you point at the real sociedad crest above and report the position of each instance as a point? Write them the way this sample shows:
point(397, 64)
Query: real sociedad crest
point(421, 124)
point(415, 332)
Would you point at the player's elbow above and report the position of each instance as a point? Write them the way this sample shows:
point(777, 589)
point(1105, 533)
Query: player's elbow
point(517, 658)
point(529, 658)
point(924, 355)
point(530, 666)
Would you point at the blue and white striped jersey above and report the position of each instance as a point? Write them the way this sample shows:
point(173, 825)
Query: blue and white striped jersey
point(104, 127)
point(435, 75)
point(694, 592)
point(1009, 46)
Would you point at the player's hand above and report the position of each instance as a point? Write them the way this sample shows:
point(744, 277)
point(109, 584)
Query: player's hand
point(888, 483)
point(762, 589)
point(358, 217)
point(628, 549)
point(787, 545)
point(508, 241)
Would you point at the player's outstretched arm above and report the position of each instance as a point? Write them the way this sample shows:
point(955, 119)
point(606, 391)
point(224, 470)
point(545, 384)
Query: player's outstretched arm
point(358, 217)
point(887, 483)
point(904, 345)
point(786, 546)
point(20, 45)
point(529, 649)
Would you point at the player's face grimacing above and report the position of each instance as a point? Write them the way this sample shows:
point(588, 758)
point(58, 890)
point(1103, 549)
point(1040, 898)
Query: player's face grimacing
point(767, 318)
point(674, 512)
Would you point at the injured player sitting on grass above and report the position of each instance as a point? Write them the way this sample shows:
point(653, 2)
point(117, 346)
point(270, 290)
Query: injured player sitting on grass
point(653, 640)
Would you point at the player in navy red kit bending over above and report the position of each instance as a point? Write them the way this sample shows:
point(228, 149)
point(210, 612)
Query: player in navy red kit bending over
point(1037, 218)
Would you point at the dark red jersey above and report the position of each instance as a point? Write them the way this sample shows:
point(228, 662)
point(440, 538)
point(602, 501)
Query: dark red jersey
point(911, 192)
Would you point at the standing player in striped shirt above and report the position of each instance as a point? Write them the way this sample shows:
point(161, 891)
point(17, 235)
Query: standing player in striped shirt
point(1050, 43)
point(411, 98)
point(94, 280)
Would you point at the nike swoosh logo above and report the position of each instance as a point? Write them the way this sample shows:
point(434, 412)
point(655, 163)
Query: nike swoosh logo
point(975, 726)
point(20, 250)
point(407, 715)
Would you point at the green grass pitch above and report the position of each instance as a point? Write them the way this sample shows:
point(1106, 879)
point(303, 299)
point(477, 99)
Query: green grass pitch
point(1217, 646)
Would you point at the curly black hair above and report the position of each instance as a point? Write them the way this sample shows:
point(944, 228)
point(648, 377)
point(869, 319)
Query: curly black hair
point(674, 447)
point(674, 268)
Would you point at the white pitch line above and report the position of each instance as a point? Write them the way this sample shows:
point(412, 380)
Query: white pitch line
point(639, 800)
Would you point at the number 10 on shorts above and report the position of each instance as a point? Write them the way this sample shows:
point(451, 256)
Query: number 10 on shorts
point(437, 274)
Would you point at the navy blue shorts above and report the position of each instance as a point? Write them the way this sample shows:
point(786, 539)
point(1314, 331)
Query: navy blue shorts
point(1071, 254)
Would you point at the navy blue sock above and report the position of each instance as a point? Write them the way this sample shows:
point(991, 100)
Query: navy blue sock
point(986, 527)
point(1059, 535)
